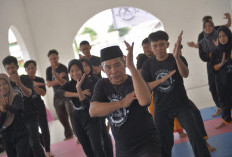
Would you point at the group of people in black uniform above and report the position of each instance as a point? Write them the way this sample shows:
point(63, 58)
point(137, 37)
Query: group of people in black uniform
point(122, 99)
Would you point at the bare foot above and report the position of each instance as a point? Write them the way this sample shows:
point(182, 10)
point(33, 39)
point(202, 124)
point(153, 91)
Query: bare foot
point(210, 148)
point(182, 134)
point(217, 113)
point(220, 125)
point(77, 142)
point(49, 154)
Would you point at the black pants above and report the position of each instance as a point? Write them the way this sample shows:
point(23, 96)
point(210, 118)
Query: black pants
point(43, 124)
point(224, 94)
point(16, 139)
point(34, 139)
point(213, 89)
point(88, 131)
point(64, 110)
point(189, 120)
point(106, 139)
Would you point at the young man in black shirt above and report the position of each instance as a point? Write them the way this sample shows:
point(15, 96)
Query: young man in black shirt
point(96, 63)
point(23, 85)
point(124, 100)
point(40, 90)
point(170, 97)
point(56, 76)
point(141, 58)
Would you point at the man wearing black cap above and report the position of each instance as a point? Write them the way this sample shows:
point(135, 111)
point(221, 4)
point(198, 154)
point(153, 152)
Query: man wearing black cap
point(124, 100)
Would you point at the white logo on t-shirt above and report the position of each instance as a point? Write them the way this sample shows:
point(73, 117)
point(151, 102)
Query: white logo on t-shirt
point(118, 117)
point(168, 84)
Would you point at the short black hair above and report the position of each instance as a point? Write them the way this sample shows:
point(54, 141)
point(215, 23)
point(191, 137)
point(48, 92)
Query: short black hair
point(83, 43)
point(26, 64)
point(145, 41)
point(53, 51)
point(158, 35)
point(9, 60)
point(207, 18)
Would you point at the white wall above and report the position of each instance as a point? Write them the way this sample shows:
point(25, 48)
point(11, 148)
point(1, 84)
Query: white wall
point(45, 25)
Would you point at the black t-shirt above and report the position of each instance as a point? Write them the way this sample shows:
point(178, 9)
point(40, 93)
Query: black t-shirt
point(132, 127)
point(30, 109)
point(95, 60)
point(168, 95)
point(37, 97)
point(60, 69)
point(140, 60)
point(71, 87)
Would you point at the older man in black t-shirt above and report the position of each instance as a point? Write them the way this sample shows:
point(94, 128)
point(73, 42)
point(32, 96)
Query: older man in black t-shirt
point(170, 96)
point(56, 76)
point(124, 100)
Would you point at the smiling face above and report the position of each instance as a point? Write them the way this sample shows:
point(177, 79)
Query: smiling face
point(4, 88)
point(85, 49)
point(54, 58)
point(86, 67)
point(11, 69)
point(75, 72)
point(159, 49)
point(115, 70)
point(208, 28)
point(222, 38)
point(147, 49)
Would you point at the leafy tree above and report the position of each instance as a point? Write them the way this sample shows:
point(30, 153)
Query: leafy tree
point(91, 32)
point(122, 31)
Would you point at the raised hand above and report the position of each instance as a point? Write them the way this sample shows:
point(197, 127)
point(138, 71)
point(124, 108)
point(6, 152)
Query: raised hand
point(227, 16)
point(192, 44)
point(176, 50)
point(79, 82)
point(223, 59)
point(15, 78)
point(215, 42)
point(129, 99)
point(129, 57)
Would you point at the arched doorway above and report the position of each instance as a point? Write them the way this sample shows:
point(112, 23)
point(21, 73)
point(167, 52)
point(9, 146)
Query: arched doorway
point(17, 48)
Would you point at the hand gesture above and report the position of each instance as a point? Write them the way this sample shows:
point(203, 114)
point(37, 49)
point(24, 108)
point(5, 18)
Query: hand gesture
point(3, 103)
point(223, 59)
point(81, 56)
point(79, 82)
point(38, 84)
point(227, 16)
point(129, 99)
point(176, 50)
point(129, 57)
point(167, 76)
point(15, 78)
point(192, 44)
point(215, 42)
point(87, 92)
point(53, 66)
point(49, 84)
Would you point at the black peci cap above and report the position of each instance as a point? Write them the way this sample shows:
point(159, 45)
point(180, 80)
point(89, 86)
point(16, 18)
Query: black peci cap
point(111, 52)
